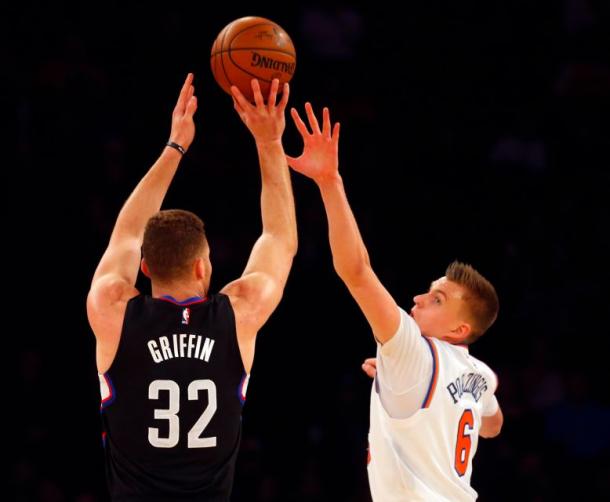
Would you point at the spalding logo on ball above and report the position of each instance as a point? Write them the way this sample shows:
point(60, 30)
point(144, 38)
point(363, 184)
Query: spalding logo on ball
point(252, 47)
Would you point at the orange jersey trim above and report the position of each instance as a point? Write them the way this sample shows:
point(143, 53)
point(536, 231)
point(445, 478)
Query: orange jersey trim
point(434, 379)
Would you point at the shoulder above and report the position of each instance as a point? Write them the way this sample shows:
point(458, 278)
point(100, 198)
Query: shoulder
point(407, 341)
point(486, 370)
point(249, 287)
point(407, 329)
point(108, 297)
point(253, 298)
point(108, 289)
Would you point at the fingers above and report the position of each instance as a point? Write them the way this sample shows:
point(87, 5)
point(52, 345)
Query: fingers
point(371, 361)
point(185, 93)
point(370, 366)
point(313, 121)
point(370, 370)
point(190, 93)
point(284, 100)
point(256, 90)
point(298, 122)
point(239, 99)
point(187, 83)
point(191, 106)
point(275, 83)
point(326, 123)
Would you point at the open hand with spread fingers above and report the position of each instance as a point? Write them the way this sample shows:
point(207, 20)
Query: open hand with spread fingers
point(320, 158)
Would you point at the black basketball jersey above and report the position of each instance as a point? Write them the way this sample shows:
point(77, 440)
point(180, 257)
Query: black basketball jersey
point(171, 401)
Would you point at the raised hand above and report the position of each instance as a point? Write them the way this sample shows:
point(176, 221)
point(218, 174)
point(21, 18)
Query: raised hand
point(320, 158)
point(183, 127)
point(266, 122)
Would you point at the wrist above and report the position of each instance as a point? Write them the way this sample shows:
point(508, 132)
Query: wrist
point(171, 153)
point(176, 146)
point(269, 144)
point(331, 181)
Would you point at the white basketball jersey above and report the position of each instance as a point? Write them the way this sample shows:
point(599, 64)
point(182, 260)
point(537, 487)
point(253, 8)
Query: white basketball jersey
point(428, 456)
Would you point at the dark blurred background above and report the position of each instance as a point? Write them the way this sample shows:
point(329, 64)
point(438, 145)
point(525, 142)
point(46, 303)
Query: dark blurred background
point(470, 130)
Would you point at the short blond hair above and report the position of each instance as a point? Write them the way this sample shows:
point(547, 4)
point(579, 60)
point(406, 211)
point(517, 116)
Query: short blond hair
point(480, 297)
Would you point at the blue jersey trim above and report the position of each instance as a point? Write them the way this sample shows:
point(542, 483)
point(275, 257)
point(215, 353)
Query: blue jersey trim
point(240, 388)
point(188, 301)
point(109, 400)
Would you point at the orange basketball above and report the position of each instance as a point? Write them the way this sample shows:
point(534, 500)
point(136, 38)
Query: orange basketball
point(252, 47)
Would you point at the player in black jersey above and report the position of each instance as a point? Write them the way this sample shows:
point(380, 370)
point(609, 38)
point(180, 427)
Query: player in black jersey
point(174, 366)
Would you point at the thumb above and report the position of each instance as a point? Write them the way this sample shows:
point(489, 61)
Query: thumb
point(292, 161)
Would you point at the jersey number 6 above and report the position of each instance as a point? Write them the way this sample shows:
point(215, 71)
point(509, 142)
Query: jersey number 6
point(464, 442)
point(171, 414)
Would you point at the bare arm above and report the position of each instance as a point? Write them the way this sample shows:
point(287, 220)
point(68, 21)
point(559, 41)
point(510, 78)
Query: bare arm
point(114, 279)
point(256, 294)
point(319, 161)
point(492, 425)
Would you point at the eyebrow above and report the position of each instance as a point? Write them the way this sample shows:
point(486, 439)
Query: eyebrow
point(436, 290)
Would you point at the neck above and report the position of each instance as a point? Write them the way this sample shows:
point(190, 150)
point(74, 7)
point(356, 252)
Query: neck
point(178, 292)
point(459, 342)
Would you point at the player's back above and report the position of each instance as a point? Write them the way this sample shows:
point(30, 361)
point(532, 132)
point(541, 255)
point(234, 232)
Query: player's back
point(171, 401)
point(428, 456)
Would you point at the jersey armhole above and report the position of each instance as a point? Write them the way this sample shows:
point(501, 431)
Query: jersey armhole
point(434, 377)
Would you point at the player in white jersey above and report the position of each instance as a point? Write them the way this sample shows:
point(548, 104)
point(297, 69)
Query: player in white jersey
point(431, 399)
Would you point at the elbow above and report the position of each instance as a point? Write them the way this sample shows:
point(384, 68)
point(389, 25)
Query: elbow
point(286, 237)
point(492, 426)
point(290, 247)
point(353, 267)
point(284, 242)
point(294, 244)
point(352, 273)
point(491, 432)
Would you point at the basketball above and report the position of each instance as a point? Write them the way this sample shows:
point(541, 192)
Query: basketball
point(252, 47)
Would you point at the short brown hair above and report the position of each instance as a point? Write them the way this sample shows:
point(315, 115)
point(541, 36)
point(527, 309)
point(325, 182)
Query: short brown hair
point(173, 239)
point(480, 297)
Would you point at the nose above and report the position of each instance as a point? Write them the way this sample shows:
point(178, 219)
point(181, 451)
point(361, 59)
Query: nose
point(417, 299)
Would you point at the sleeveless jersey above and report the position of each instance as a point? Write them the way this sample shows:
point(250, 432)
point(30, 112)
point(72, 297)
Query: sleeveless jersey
point(171, 402)
point(428, 456)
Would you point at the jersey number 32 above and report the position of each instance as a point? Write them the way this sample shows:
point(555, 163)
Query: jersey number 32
point(194, 439)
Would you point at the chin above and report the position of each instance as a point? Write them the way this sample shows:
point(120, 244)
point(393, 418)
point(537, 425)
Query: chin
point(427, 332)
point(423, 330)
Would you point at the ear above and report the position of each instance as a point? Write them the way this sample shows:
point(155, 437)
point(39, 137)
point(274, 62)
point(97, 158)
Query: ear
point(460, 333)
point(144, 268)
point(199, 268)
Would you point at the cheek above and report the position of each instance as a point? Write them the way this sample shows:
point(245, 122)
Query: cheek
point(434, 317)
point(424, 318)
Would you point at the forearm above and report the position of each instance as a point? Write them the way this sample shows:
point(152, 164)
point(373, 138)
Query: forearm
point(277, 201)
point(492, 425)
point(350, 256)
point(147, 196)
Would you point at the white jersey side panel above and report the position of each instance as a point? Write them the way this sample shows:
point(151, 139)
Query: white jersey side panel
point(428, 456)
